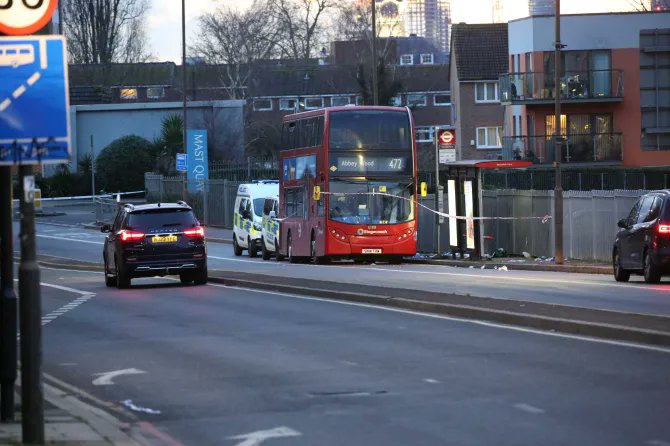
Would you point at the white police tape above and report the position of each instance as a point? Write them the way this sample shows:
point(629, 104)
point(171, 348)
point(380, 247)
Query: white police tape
point(544, 219)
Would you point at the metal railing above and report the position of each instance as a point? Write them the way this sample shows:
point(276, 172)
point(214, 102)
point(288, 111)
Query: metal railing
point(575, 86)
point(586, 148)
point(249, 170)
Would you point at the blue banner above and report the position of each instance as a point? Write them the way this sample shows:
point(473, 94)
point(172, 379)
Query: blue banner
point(198, 160)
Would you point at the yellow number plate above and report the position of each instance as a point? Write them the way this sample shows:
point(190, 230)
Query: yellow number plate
point(164, 239)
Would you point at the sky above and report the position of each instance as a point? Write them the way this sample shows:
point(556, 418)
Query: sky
point(164, 25)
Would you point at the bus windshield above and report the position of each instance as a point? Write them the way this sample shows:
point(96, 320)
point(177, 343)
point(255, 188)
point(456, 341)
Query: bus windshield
point(354, 202)
point(369, 130)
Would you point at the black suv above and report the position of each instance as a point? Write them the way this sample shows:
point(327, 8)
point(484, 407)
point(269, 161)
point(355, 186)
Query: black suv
point(154, 240)
point(643, 242)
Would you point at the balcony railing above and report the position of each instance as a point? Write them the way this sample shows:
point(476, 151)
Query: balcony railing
point(576, 86)
point(599, 147)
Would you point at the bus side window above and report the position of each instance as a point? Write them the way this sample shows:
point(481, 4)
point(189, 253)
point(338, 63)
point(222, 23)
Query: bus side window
point(319, 131)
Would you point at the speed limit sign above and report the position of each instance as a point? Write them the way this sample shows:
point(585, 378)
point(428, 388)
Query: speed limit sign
point(23, 17)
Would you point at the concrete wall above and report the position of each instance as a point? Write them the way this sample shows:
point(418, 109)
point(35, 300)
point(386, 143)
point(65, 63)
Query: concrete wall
point(105, 123)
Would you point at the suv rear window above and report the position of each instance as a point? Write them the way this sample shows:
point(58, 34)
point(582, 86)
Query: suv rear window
point(161, 218)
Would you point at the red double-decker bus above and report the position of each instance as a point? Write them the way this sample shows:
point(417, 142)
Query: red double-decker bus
point(348, 186)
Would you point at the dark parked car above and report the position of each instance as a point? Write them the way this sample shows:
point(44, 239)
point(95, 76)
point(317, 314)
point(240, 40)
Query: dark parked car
point(155, 240)
point(643, 242)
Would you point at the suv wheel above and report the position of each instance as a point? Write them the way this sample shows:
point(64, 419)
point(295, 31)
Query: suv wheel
point(186, 278)
point(236, 248)
point(110, 281)
point(651, 272)
point(264, 250)
point(620, 274)
point(200, 276)
point(122, 276)
point(253, 252)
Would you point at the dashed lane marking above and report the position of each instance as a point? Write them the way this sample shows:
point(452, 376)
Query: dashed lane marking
point(19, 91)
point(528, 408)
point(34, 78)
point(4, 104)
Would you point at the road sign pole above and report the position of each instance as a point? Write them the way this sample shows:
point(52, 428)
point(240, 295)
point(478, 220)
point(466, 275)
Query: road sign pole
point(7, 299)
point(30, 310)
point(437, 190)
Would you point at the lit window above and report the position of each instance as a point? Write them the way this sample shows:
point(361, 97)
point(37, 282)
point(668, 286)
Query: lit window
point(407, 59)
point(313, 103)
point(424, 134)
point(128, 93)
point(155, 92)
point(289, 104)
point(339, 101)
point(487, 92)
point(489, 137)
point(416, 100)
point(427, 59)
point(262, 104)
point(442, 99)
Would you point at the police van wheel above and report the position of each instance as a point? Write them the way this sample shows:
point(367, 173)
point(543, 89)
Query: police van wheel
point(253, 252)
point(278, 255)
point(264, 251)
point(236, 248)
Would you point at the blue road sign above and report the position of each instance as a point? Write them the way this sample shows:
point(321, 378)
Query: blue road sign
point(34, 102)
point(198, 165)
point(182, 162)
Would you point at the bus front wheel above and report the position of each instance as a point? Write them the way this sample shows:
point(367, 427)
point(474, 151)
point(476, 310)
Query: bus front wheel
point(318, 260)
point(289, 250)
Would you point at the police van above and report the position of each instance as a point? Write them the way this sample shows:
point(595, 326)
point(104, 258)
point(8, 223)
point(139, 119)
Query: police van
point(248, 217)
point(270, 232)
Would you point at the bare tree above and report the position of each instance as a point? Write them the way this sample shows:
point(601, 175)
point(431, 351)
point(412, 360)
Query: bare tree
point(235, 40)
point(640, 5)
point(303, 25)
point(105, 31)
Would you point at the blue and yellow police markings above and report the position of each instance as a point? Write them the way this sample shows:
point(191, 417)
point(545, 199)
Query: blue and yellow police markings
point(270, 227)
point(244, 224)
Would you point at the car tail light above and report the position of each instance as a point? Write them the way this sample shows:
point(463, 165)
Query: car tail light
point(130, 236)
point(664, 229)
point(198, 231)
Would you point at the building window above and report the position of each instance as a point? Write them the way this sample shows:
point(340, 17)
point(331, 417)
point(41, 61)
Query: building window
point(442, 99)
point(288, 104)
point(487, 92)
point(416, 100)
point(407, 59)
point(396, 101)
point(427, 59)
point(262, 104)
point(340, 101)
point(424, 134)
point(128, 94)
point(489, 137)
point(155, 92)
point(313, 103)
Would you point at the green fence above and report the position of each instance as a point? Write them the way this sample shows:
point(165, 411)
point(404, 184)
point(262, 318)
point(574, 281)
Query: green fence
point(579, 179)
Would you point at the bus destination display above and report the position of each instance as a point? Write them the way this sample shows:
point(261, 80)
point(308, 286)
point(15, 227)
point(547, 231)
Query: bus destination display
point(360, 164)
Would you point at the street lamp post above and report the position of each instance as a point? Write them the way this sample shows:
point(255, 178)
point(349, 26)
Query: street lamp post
point(375, 86)
point(184, 97)
point(558, 142)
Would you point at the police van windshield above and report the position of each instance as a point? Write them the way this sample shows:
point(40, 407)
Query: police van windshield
point(258, 206)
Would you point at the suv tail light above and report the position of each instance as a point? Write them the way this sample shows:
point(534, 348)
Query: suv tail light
point(198, 231)
point(664, 229)
point(129, 236)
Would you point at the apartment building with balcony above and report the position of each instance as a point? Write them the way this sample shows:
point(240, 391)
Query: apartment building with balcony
point(614, 88)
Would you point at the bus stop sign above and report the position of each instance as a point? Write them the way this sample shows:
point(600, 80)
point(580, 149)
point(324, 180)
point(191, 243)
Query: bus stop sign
point(23, 17)
point(34, 103)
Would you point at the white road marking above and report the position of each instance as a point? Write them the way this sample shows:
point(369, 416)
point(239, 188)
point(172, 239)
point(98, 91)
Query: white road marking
point(4, 104)
point(34, 78)
point(657, 443)
point(351, 363)
point(105, 378)
point(65, 308)
point(465, 321)
point(431, 381)
point(68, 289)
point(19, 91)
point(528, 408)
point(68, 239)
point(259, 437)
point(135, 408)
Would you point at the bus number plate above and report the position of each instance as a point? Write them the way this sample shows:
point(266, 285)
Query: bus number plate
point(372, 251)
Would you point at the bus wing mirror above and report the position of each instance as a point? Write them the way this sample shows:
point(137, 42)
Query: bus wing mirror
point(317, 193)
point(424, 188)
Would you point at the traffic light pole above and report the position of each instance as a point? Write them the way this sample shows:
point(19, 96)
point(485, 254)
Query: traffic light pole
point(558, 143)
point(8, 303)
point(30, 310)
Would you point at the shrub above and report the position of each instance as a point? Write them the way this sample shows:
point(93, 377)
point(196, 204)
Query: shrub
point(121, 165)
